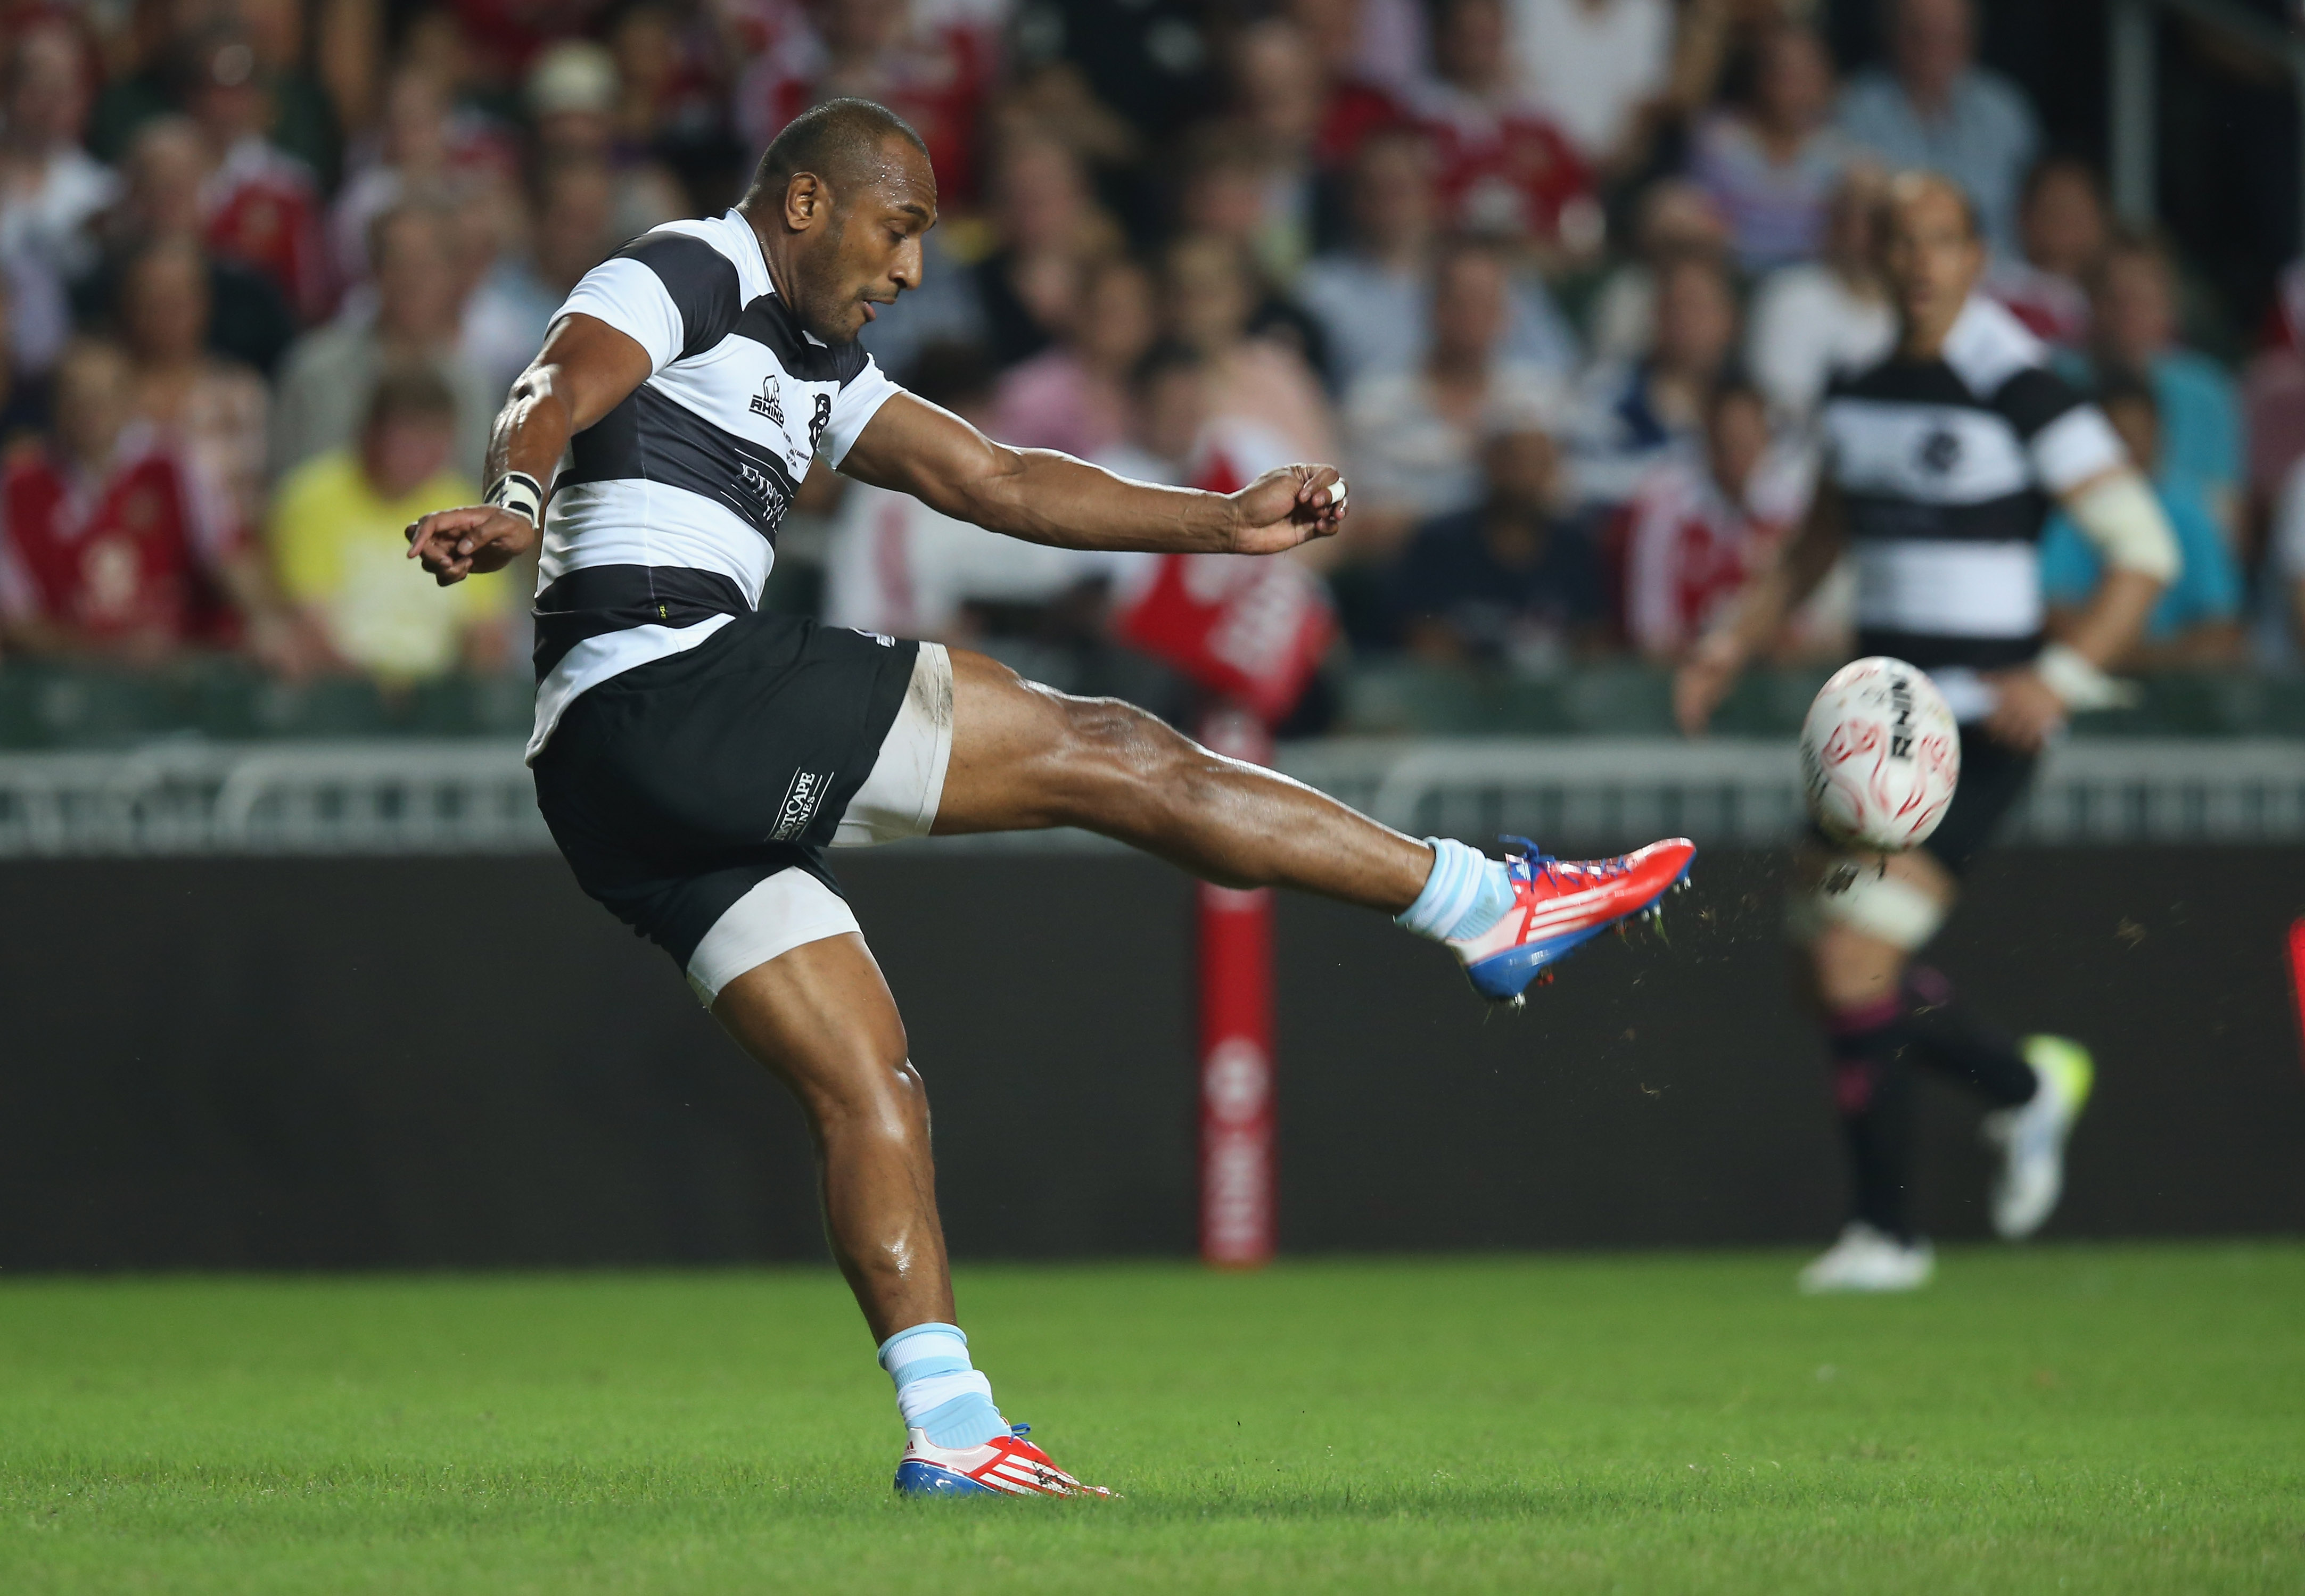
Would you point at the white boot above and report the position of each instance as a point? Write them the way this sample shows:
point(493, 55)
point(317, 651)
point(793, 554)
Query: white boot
point(1864, 1260)
point(2032, 1136)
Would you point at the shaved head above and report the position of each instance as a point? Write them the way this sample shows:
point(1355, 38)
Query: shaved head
point(1923, 187)
point(839, 205)
point(842, 142)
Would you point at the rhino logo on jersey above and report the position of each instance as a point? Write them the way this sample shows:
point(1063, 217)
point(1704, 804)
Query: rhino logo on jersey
point(765, 403)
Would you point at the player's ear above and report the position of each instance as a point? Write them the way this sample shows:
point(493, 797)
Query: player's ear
point(806, 198)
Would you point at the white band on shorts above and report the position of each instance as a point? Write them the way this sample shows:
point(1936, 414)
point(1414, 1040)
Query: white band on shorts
point(899, 798)
point(789, 908)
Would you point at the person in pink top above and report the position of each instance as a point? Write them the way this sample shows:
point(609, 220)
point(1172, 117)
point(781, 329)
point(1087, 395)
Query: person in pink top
point(1075, 396)
point(1208, 295)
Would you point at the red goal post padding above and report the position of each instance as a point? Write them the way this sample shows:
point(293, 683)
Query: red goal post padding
point(1253, 633)
point(1240, 1183)
point(2297, 979)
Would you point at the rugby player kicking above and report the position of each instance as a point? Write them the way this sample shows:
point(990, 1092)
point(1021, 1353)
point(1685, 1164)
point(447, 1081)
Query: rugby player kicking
point(1942, 463)
point(694, 757)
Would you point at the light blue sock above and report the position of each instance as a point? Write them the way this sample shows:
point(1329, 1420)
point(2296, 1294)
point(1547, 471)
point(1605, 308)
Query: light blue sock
point(1467, 893)
point(938, 1391)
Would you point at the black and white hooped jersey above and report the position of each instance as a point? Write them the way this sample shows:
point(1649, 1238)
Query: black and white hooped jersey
point(662, 525)
point(1948, 469)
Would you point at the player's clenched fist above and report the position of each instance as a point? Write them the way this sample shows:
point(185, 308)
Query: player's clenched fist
point(1285, 506)
point(454, 543)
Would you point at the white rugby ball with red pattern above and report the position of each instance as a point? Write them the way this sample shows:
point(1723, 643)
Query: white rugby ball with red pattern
point(1880, 755)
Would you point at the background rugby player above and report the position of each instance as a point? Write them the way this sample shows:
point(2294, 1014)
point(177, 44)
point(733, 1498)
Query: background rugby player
point(1942, 465)
point(694, 757)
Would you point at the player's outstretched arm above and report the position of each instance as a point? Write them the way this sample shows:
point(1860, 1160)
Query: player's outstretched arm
point(1719, 657)
point(1043, 496)
point(584, 370)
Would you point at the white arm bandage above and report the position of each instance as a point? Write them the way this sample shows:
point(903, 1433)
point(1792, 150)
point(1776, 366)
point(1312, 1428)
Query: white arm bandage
point(2121, 516)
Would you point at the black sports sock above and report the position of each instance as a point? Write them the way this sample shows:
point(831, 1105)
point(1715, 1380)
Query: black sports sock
point(1956, 1042)
point(1872, 1086)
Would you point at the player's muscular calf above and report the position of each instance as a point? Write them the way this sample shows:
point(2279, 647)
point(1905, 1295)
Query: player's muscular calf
point(1025, 757)
point(820, 1019)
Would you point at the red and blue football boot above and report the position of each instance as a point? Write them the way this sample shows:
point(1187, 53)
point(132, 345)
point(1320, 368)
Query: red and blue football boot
point(1559, 905)
point(1006, 1466)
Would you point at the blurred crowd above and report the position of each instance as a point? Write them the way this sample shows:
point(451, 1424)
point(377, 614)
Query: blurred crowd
point(1558, 282)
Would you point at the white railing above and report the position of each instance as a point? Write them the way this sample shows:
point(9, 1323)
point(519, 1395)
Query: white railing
point(1747, 791)
point(475, 796)
point(443, 797)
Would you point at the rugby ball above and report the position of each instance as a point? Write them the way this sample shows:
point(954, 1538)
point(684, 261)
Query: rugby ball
point(1880, 755)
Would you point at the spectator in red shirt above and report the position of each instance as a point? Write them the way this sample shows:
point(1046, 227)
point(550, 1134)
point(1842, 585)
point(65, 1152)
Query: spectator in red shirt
point(1700, 528)
point(111, 545)
point(1503, 167)
point(262, 204)
point(1692, 536)
point(1352, 105)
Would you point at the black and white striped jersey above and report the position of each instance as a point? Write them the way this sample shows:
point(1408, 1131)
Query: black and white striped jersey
point(662, 523)
point(1948, 468)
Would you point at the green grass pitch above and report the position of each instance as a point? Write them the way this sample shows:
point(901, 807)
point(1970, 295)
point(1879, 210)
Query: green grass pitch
point(2061, 1418)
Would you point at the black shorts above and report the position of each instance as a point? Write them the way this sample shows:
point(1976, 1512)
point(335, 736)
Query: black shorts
point(676, 788)
point(1993, 777)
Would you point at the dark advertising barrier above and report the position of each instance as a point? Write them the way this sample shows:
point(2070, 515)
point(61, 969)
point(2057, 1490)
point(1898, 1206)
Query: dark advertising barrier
point(269, 1063)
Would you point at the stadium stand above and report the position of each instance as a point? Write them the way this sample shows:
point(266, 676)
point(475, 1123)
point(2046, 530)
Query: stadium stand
point(252, 170)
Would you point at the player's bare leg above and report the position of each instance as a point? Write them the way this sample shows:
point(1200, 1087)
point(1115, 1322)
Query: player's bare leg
point(820, 1019)
point(1025, 757)
point(1872, 911)
point(1883, 1013)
